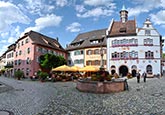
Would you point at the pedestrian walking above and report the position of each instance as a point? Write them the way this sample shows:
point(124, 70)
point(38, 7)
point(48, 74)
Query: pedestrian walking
point(144, 76)
point(138, 77)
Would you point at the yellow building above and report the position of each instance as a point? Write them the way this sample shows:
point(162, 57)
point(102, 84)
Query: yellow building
point(88, 49)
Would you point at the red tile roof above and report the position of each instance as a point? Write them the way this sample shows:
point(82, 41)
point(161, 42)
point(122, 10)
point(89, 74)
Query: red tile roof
point(43, 40)
point(84, 40)
point(123, 29)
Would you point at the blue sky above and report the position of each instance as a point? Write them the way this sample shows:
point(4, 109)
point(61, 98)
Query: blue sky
point(65, 19)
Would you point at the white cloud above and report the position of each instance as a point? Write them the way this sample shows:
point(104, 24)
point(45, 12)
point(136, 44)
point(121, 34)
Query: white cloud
point(80, 8)
point(4, 48)
point(14, 35)
point(95, 8)
point(49, 20)
point(10, 14)
point(3, 41)
point(136, 11)
point(96, 12)
point(61, 3)
point(9, 37)
point(46, 21)
point(97, 2)
point(143, 6)
point(38, 7)
point(158, 18)
point(4, 34)
point(163, 3)
point(74, 27)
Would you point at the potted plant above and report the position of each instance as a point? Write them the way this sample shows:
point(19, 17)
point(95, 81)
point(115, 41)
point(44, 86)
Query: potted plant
point(18, 74)
point(43, 76)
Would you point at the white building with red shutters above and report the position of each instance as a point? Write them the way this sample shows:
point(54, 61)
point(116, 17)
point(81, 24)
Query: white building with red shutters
point(130, 48)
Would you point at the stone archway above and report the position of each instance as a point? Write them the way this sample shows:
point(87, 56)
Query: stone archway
point(113, 71)
point(133, 73)
point(123, 70)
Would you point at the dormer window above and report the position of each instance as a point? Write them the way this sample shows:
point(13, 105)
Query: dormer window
point(147, 25)
point(122, 30)
point(147, 32)
point(94, 41)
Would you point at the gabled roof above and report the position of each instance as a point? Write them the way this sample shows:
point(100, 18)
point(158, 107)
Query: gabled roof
point(43, 40)
point(84, 40)
point(123, 29)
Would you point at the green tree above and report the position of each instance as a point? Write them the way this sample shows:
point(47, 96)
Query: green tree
point(163, 55)
point(49, 61)
point(18, 74)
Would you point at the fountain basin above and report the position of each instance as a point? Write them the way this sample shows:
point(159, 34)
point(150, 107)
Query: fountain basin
point(102, 87)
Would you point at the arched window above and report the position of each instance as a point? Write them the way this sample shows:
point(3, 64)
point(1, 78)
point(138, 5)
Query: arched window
point(113, 67)
point(114, 55)
point(149, 55)
point(134, 67)
point(149, 69)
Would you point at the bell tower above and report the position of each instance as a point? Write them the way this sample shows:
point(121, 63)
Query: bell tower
point(123, 14)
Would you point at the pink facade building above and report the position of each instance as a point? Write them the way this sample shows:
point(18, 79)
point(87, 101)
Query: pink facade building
point(30, 47)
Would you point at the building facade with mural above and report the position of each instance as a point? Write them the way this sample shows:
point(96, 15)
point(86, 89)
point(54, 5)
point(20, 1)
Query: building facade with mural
point(131, 49)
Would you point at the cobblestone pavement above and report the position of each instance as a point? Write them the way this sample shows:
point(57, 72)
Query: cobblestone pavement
point(62, 98)
point(25, 97)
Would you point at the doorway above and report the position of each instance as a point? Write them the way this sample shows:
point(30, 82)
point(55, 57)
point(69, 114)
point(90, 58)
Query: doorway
point(113, 71)
point(123, 71)
point(133, 73)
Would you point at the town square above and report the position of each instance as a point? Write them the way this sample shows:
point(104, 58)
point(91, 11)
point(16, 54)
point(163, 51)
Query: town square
point(28, 97)
point(82, 57)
